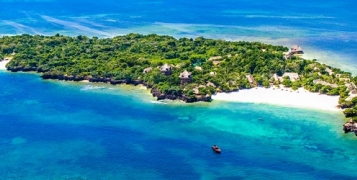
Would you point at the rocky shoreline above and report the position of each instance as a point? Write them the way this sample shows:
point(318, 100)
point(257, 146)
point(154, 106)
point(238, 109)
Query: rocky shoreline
point(155, 92)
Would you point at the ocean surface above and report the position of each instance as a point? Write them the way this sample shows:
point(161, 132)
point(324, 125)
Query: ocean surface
point(66, 130)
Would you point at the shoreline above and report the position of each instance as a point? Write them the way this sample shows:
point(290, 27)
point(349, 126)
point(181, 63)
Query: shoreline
point(3, 64)
point(282, 97)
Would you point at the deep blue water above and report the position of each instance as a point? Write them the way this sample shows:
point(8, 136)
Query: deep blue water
point(63, 130)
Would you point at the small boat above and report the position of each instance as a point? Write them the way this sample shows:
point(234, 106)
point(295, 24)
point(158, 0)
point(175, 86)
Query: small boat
point(216, 149)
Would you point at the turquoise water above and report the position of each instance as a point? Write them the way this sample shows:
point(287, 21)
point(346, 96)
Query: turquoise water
point(59, 130)
point(64, 130)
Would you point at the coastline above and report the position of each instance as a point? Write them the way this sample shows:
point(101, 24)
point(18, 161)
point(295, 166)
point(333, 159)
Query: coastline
point(282, 97)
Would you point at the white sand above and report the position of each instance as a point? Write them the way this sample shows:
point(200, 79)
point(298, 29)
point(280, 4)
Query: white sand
point(3, 64)
point(283, 97)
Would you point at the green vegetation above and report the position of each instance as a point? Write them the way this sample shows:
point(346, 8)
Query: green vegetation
point(215, 65)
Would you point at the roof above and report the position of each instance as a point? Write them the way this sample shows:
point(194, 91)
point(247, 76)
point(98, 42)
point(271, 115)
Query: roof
point(296, 48)
point(210, 84)
point(330, 72)
point(185, 74)
point(318, 81)
point(165, 68)
point(276, 77)
point(215, 58)
point(292, 76)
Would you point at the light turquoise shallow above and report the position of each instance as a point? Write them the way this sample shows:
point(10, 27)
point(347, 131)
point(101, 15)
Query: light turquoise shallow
point(59, 130)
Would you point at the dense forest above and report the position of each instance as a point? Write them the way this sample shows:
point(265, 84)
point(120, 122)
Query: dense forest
point(184, 68)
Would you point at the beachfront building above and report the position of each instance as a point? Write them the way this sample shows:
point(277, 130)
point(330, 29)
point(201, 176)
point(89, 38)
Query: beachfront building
point(276, 77)
point(292, 76)
point(147, 70)
point(343, 77)
point(351, 86)
point(166, 69)
point(185, 77)
point(318, 81)
point(295, 49)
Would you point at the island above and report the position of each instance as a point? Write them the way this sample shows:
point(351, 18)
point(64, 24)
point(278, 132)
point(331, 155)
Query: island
point(185, 68)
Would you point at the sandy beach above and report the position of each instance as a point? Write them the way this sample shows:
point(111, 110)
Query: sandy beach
point(3, 64)
point(283, 97)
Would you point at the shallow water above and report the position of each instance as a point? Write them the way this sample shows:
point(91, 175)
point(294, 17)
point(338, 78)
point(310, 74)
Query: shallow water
point(58, 130)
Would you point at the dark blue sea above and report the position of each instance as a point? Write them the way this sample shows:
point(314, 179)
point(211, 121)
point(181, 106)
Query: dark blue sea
point(65, 130)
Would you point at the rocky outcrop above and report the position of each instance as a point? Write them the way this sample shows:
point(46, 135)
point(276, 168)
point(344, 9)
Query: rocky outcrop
point(160, 96)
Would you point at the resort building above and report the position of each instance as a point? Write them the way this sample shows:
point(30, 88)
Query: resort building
point(146, 70)
point(276, 77)
point(351, 86)
point(166, 69)
point(185, 77)
point(342, 77)
point(210, 84)
point(295, 49)
point(293, 76)
point(329, 71)
point(318, 81)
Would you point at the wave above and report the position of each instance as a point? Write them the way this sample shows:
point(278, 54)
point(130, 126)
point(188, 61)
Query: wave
point(90, 87)
point(158, 102)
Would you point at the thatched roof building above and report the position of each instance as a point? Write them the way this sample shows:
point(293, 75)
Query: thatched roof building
point(292, 76)
point(296, 49)
point(166, 69)
point(318, 81)
point(210, 84)
point(185, 76)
